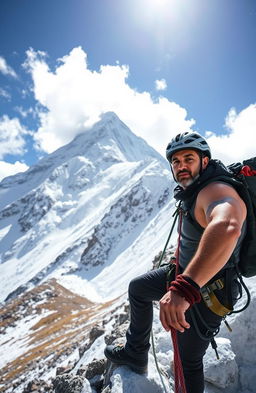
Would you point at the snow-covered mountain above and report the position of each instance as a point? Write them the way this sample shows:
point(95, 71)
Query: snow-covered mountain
point(82, 212)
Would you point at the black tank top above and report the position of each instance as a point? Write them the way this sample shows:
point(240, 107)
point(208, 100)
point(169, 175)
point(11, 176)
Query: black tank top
point(191, 233)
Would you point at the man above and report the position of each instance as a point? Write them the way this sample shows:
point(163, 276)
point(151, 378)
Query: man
point(212, 230)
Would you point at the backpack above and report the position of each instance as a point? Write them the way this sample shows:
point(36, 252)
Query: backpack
point(245, 175)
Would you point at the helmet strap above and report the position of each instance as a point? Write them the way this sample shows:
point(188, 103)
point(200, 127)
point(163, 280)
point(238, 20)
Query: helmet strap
point(174, 178)
point(201, 162)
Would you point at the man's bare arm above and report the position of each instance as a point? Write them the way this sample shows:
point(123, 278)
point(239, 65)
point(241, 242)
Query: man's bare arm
point(222, 212)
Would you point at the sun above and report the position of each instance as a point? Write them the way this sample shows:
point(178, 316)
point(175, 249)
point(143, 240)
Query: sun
point(162, 19)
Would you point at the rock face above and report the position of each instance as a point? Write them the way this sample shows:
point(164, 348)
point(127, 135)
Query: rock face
point(85, 378)
point(38, 386)
point(222, 372)
point(67, 383)
point(66, 324)
point(132, 209)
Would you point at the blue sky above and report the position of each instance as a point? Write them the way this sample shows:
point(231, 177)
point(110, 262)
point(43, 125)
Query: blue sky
point(162, 65)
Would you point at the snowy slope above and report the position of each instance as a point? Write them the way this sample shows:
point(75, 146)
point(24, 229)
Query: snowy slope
point(78, 213)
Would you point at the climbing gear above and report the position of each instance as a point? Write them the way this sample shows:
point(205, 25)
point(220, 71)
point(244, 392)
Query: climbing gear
point(211, 300)
point(178, 370)
point(156, 362)
point(170, 275)
point(184, 288)
point(179, 379)
point(175, 217)
point(187, 140)
point(209, 334)
point(245, 288)
point(245, 176)
point(118, 355)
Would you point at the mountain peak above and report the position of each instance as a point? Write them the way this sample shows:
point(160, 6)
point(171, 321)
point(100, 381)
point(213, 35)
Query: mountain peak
point(107, 142)
point(111, 128)
point(109, 116)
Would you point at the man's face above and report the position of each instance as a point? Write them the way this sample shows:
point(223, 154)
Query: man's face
point(186, 166)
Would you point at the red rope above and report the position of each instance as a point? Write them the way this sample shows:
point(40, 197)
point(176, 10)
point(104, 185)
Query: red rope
point(247, 171)
point(185, 289)
point(180, 386)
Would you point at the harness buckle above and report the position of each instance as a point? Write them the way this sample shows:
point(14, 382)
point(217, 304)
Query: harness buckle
point(217, 284)
point(205, 292)
point(211, 299)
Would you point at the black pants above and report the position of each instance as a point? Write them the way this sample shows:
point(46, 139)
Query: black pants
point(152, 286)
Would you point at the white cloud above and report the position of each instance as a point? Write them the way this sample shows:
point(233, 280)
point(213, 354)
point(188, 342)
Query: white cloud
point(26, 112)
point(239, 143)
point(73, 98)
point(4, 93)
point(160, 84)
point(7, 169)
point(11, 136)
point(6, 69)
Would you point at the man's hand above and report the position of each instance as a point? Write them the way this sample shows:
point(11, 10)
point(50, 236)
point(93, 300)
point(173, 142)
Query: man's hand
point(172, 312)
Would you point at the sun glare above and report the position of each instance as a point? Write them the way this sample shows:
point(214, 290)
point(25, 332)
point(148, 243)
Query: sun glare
point(162, 20)
point(160, 3)
point(162, 7)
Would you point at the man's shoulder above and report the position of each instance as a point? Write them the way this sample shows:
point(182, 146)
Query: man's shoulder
point(218, 189)
point(218, 186)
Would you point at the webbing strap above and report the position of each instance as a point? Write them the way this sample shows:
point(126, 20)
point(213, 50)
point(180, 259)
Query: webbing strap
point(211, 300)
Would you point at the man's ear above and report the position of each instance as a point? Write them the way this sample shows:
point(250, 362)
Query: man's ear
point(205, 162)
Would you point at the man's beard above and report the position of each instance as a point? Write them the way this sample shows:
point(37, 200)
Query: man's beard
point(187, 182)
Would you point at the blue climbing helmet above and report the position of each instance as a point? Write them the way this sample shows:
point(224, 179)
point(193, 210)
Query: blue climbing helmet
point(187, 140)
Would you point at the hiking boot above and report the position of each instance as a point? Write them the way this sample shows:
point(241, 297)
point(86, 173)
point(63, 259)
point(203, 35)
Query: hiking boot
point(118, 355)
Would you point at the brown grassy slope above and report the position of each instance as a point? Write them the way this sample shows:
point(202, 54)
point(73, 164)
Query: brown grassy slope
point(54, 336)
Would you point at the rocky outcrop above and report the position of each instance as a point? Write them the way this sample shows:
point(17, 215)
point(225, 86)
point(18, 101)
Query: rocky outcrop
point(87, 378)
point(67, 383)
point(34, 206)
point(37, 386)
point(52, 338)
point(130, 211)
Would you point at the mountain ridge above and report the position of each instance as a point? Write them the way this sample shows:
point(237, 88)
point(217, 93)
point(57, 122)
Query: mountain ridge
point(109, 125)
